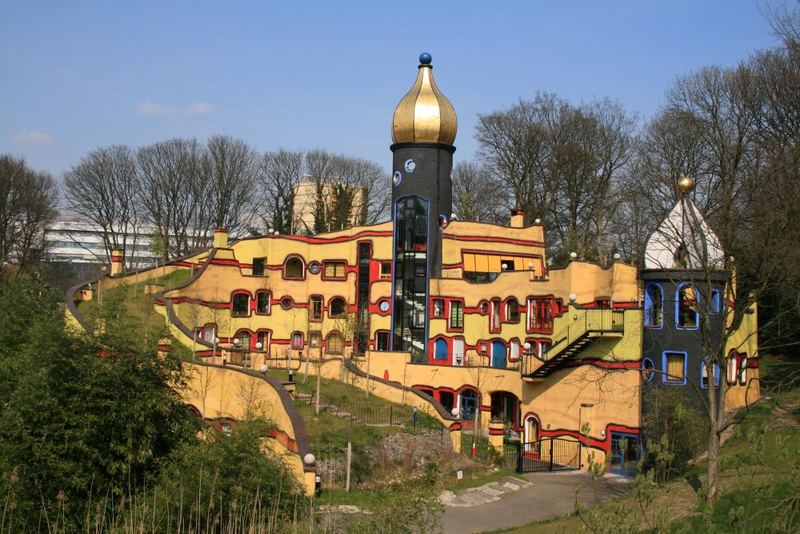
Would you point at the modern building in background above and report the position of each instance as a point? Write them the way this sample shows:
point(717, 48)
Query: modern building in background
point(72, 240)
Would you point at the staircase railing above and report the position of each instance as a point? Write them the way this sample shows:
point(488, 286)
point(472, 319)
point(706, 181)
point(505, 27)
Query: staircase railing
point(584, 322)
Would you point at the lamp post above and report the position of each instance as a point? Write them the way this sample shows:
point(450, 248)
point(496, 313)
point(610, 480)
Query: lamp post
point(259, 347)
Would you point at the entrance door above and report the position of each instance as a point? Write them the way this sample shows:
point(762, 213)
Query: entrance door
point(498, 354)
point(624, 453)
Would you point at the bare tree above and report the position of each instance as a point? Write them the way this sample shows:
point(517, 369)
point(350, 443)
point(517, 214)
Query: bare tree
point(280, 176)
point(105, 188)
point(476, 195)
point(231, 167)
point(175, 184)
point(27, 205)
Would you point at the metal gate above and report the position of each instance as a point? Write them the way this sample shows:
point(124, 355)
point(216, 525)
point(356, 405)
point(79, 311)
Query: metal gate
point(546, 454)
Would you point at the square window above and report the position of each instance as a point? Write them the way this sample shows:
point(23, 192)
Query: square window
point(240, 307)
point(333, 269)
point(297, 340)
point(315, 339)
point(258, 266)
point(386, 269)
point(316, 308)
point(262, 302)
point(674, 364)
point(382, 341)
point(456, 314)
point(438, 307)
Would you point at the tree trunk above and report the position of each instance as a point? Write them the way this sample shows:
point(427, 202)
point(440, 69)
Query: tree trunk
point(713, 464)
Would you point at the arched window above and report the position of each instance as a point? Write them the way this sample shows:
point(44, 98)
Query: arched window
point(686, 315)
point(704, 375)
point(468, 404)
point(513, 349)
point(512, 310)
point(240, 305)
point(733, 369)
point(440, 350)
point(294, 268)
point(653, 305)
point(242, 340)
point(648, 370)
point(337, 307)
point(334, 343)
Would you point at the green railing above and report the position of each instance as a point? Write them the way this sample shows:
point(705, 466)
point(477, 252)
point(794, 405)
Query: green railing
point(584, 323)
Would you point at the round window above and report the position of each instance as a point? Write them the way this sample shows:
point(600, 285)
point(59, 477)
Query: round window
point(484, 307)
point(397, 177)
point(286, 303)
point(313, 267)
point(410, 165)
point(383, 306)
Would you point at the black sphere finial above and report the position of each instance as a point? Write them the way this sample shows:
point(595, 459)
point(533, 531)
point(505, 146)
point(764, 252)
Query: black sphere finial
point(425, 58)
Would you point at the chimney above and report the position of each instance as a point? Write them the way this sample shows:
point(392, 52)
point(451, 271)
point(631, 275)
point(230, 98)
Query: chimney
point(220, 238)
point(517, 218)
point(117, 262)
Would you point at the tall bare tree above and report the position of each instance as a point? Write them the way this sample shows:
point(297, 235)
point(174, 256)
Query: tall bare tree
point(105, 189)
point(28, 201)
point(280, 176)
point(233, 177)
point(476, 195)
point(175, 185)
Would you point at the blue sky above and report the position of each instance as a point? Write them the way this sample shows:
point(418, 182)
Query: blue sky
point(78, 75)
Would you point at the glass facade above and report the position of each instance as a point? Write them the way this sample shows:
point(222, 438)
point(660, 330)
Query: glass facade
point(410, 275)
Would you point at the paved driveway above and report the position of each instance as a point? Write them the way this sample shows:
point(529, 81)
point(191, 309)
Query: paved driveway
point(549, 495)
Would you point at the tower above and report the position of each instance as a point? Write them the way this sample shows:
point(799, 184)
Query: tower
point(423, 130)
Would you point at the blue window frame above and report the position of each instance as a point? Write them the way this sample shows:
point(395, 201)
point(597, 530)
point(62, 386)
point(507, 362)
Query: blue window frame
point(673, 367)
point(704, 375)
point(653, 305)
point(716, 301)
point(687, 299)
point(440, 351)
point(648, 370)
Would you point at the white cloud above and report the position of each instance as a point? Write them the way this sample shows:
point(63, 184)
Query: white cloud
point(32, 138)
point(148, 107)
point(200, 107)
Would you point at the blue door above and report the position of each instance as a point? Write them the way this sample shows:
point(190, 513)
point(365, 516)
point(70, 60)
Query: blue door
point(498, 354)
point(624, 453)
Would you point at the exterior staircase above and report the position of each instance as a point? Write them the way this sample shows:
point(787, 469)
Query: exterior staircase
point(587, 326)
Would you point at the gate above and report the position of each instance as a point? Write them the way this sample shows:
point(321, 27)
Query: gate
point(546, 454)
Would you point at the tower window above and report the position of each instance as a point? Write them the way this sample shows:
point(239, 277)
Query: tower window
point(674, 367)
point(686, 314)
point(653, 305)
point(716, 301)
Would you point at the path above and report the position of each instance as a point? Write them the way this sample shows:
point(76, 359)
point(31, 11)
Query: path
point(507, 503)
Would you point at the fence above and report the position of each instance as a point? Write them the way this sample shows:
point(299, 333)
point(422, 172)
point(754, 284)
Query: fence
point(546, 454)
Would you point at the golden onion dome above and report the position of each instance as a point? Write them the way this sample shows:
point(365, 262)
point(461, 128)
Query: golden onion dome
point(424, 115)
point(686, 184)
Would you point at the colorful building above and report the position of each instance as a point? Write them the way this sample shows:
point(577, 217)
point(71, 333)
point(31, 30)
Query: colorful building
point(461, 318)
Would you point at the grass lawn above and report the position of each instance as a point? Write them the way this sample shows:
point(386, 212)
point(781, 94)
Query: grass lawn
point(139, 314)
point(760, 474)
point(328, 432)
